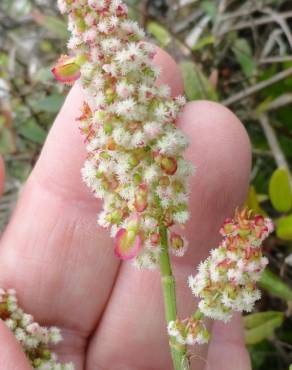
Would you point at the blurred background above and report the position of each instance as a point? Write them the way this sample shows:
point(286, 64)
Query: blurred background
point(237, 52)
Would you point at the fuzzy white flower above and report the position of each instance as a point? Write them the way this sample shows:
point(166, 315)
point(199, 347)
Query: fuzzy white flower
point(225, 281)
point(134, 147)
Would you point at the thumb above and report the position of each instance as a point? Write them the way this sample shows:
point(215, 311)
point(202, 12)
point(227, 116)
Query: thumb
point(11, 355)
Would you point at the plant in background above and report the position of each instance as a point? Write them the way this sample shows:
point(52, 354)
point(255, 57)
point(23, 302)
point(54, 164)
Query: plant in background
point(135, 164)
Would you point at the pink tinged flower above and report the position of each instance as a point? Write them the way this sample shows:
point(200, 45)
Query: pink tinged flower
point(168, 165)
point(90, 35)
point(177, 244)
point(107, 68)
point(90, 19)
point(152, 131)
point(155, 238)
point(97, 5)
point(124, 93)
point(228, 227)
point(122, 10)
point(127, 244)
point(66, 70)
point(141, 196)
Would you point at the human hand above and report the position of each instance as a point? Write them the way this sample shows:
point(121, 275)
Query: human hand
point(65, 272)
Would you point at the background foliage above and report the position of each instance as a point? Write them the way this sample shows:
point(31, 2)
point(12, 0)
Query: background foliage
point(237, 52)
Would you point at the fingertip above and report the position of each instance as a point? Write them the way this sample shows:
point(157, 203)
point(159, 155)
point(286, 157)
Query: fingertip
point(216, 116)
point(220, 151)
point(170, 72)
point(228, 342)
point(222, 141)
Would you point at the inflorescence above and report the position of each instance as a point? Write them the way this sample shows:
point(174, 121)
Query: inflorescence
point(135, 163)
point(226, 280)
point(34, 339)
point(135, 150)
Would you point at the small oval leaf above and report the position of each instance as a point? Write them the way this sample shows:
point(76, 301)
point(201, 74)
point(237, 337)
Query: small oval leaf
point(280, 190)
point(274, 285)
point(159, 32)
point(252, 202)
point(261, 325)
point(284, 228)
point(196, 84)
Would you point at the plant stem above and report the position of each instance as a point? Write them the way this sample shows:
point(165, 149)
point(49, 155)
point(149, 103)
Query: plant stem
point(178, 351)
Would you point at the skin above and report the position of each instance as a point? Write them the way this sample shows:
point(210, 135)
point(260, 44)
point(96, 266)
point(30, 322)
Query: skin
point(63, 266)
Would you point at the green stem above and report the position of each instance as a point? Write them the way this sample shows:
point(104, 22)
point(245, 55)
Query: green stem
point(178, 351)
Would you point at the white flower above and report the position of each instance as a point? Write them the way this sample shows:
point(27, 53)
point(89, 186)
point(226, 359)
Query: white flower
point(138, 139)
point(125, 107)
point(172, 143)
point(164, 91)
point(124, 89)
point(55, 335)
point(74, 42)
point(172, 329)
point(181, 217)
point(62, 4)
point(121, 136)
point(110, 45)
point(150, 223)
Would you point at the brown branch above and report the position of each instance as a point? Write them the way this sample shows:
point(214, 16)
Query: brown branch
point(258, 87)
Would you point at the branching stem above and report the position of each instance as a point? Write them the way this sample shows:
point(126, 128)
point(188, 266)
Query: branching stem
point(178, 351)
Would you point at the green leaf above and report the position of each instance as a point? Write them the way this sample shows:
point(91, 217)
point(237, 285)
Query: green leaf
point(159, 32)
point(261, 325)
point(253, 203)
point(197, 86)
point(243, 54)
point(284, 228)
point(44, 75)
point(259, 353)
point(210, 8)
point(19, 170)
point(280, 190)
point(274, 285)
point(50, 104)
point(7, 142)
point(33, 132)
point(55, 26)
point(205, 41)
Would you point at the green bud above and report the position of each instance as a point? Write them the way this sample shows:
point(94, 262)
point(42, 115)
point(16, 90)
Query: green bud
point(108, 128)
point(133, 161)
point(105, 155)
point(137, 179)
point(81, 25)
point(99, 115)
point(46, 354)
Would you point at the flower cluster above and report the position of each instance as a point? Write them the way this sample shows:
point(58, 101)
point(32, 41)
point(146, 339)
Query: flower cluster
point(189, 331)
point(135, 150)
point(34, 339)
point(226, 280)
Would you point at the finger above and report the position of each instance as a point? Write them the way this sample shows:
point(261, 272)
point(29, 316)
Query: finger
point(2, 175)
point(11, 354)
point(65, 264)
point(228, 343)
point(132, 332)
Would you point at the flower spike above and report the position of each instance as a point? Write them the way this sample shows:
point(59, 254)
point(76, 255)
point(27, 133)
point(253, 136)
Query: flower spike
point(135, 150)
